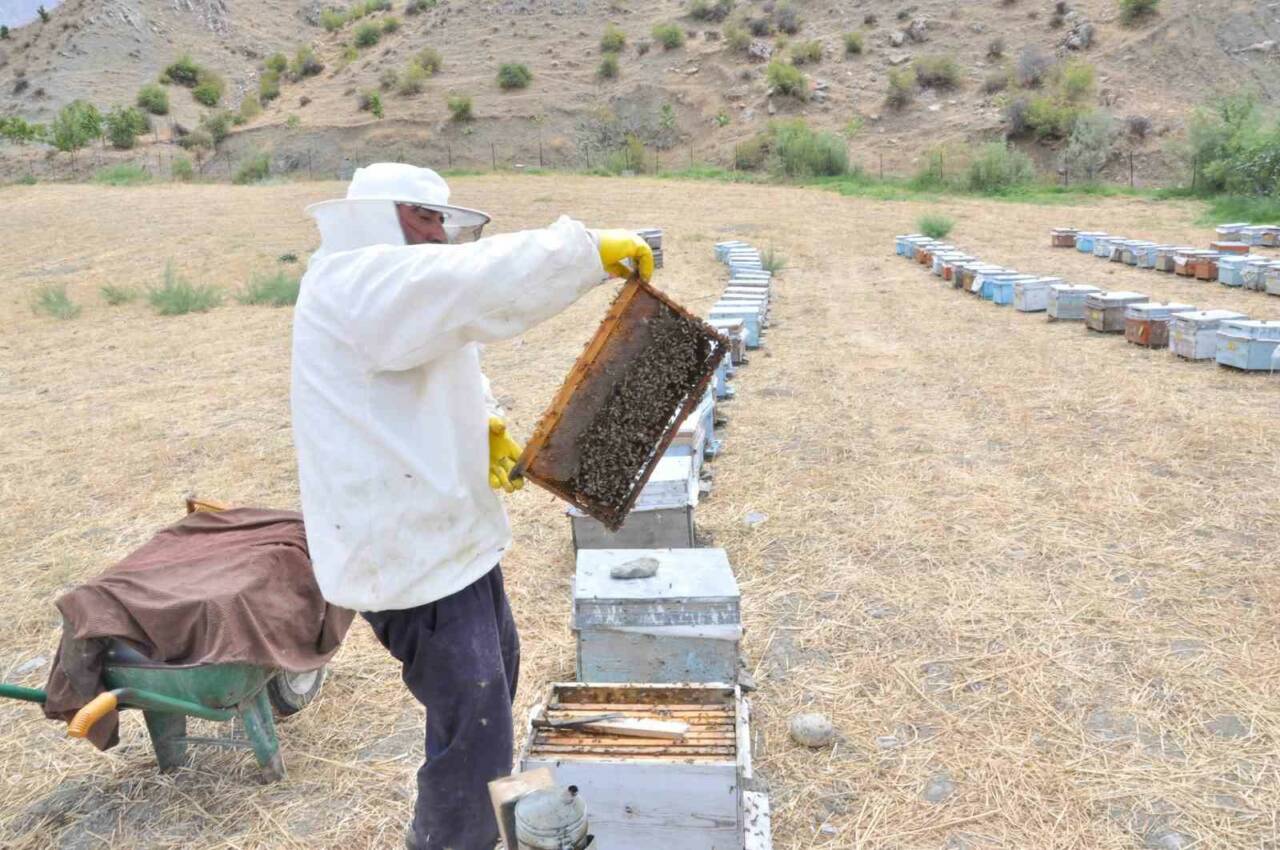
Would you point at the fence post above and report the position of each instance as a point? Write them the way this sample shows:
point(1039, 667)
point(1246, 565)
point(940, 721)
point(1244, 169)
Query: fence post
point(540, 165)
point(448, 149)
point(1130, 169)
point(493, 155)
point(690, 157)
point(309, 172)
point(1195, 171)
point(881, 165)
point(657, 160)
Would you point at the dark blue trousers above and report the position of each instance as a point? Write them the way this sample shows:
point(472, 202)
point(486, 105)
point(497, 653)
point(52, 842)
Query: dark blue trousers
point(460, 658)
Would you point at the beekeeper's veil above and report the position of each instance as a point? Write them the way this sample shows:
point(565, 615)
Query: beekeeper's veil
point(367, 215)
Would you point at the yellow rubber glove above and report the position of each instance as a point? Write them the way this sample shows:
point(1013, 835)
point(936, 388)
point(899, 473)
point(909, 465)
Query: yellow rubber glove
point(503, 454)
point(619, 245)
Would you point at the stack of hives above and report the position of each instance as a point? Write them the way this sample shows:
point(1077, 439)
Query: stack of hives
point(1225, 336)
point(1228, 260)
point(658, 627)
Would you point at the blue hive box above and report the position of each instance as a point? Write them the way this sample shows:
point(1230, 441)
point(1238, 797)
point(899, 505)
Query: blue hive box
point(1248, 344)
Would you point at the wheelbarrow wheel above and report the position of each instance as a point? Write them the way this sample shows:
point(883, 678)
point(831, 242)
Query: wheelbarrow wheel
point(291, 692)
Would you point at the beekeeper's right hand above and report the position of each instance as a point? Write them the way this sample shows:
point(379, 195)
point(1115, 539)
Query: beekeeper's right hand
point(618, 245)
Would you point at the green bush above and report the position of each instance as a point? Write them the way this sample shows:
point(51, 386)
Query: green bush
point(996, 167)
point(305, 64)
point(4, 32)
point(1075, 81)
point(52, 299)
point(277, 62)
point(1234, 148)
point(736, 38)
point(269, 86)
point(413, 80)
point(751, 154)
point(798, 151)
point(18, 131)
point(786, 79)
point(852, 43)
point(513, 75)
point(117, 295)
point(806, 53)
point(181, 169)
point(785, 18)
point(250, 107)
point(613, 40)
point(938, 72)
point(902, 88)
point(198, 138)
point(255, 169)
point(274, 290)
point(772, 261)
point(43, 13)
point(608, 69)
point(1132, 11)
point(1050, 118)
point(217, 124)
point(77, 124)
point(934, 226)
point(710, 10)
point(124, 125)
point(183, 71)
point(176, 295)
point(370, 101)
point(388, 79)
point(390, 25)
point(209, 89)
point(460, 107)
point(1090, 145)
point(333, 20)
point(430, 60)
point(154, 99)
point(413, 7)
point(669, 35)
point(367, 34)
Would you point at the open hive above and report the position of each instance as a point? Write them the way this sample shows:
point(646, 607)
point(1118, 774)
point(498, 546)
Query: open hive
point(644, 371)
point(646, 793)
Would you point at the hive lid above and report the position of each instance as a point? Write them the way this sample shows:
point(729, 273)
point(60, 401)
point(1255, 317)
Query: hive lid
point(1156, 310)
point(692, 576)
point(1111, 299)
point(1080, 288)
point(1252, 328)
point(1208, 317)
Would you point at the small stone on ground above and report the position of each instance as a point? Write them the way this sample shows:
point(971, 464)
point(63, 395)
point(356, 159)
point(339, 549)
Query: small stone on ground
point(812, 730)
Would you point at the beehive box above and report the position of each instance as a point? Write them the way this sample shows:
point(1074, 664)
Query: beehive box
point(1229, 247)
point(1032, 296)
point(1104, 311)
point(720, 385)
point(1102, 245)
point(950, 264)
point(1085, 240)
point(1253, 274)
point(987, 284)
point(735, 329)
point(1230, 231)
point(653, 238)
point(652, 794)
point(1206, 266)
point(737, 295)
point(1271, 279)
point(1147, 255)
point(1248, 344)
point(1185, 262)
point(977, 281)
point(1132, 252)
point(1066, 301)
point(722, 249)
point(1166, 257)
point(1194, 335)
point(682, 624)
point(1063, 237)
point(1260, 234)
point(1231, 271)
point(1002, 288)
point(1147, 324)
point(661, 518)
point(646, 368)
point(697, 433)
point(749, 315)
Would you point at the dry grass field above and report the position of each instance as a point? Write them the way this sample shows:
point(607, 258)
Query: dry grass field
point(1029, 571)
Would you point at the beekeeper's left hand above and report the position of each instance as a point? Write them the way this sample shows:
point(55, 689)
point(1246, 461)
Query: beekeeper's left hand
point(503, 454)
point(618, 245)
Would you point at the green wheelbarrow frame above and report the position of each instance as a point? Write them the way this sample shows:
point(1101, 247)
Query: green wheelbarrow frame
point(167, 694)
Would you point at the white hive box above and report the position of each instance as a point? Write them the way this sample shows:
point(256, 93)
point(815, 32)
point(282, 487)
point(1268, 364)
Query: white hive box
point(1066, 301)
point(1032, 296)
point(722, 249)
point(1194, 335)
point(736, 330)
point(697, 432)
point(661, 519)
point(1230, 231)
point(683, 624)
point(1104, 311)
point(1271, 279)
point(1253, 275)
point(756, 300)
point(646, 793)
point(1248, 344)
point(748, 314)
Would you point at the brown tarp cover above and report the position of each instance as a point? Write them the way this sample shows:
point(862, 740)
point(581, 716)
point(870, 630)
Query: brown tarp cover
point(235, 585)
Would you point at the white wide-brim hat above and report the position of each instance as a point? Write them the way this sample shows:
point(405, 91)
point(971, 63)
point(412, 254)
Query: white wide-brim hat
point(400, 183)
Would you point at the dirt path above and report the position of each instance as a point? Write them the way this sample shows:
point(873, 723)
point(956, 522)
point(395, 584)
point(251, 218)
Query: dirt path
point(1028, 570)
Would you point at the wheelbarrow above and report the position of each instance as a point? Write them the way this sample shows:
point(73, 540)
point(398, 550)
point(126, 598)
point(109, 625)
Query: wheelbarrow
point(168, 694)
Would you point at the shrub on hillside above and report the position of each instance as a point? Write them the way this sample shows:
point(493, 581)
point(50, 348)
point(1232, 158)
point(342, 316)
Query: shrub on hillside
point(176, 295)
point(367, 34)
point(197, 139)
point(154, 99)
point(390, 25)
point(414, 7)
point(670, 36)
point(902, 88)
point(274, 290)
point(751, 154)
point(268, 86)
point(209, 89)
point(996, 48)
point(642, 46)
point(710, 10)
point(1031, 67)
point(613, 39)
point(370, 101)
point(608, 69)
point(388, 79)
point(182, 71)
point(250, 107)
point(181, 169)
point(996, 81)
point(1138, 126)
point(996, 167)
point(934, 226)
point(798, 151)
point(513, 75)
point(52, 299)
point(76, 124)
point(255, 169)
point(1075, 80)
point(806, 53)
point(938, 72)
point(124, 124)
point(430, 60)
point(305, 63)
point(1133, 11)
point(333, 20)
point(217, 124)
point(852, 43)
point(460, 107)
point(277, 62)
point(1090, 146)
point(785, 18)
point(786, 79)
point(413, 80)
point(760, 27)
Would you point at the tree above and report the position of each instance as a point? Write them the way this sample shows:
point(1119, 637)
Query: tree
point(44, 15)
point(4, 31)
point(1090, 145)
point(124, 125)
point(18, 131)
point(77, 124)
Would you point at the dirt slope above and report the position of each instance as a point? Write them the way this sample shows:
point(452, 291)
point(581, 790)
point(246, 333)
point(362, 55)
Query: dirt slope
point(106, 49)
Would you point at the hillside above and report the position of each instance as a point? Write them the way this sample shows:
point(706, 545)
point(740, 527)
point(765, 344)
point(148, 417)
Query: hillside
point(716, 97)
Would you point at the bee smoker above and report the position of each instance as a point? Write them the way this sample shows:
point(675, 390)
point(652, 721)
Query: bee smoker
point(553, 819)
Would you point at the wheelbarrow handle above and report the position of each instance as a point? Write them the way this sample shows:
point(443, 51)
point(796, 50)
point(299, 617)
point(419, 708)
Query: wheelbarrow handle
point(93, 711)
point(19, 692)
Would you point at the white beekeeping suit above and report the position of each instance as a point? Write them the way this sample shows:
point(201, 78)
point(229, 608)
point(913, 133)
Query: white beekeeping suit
point(388, 400)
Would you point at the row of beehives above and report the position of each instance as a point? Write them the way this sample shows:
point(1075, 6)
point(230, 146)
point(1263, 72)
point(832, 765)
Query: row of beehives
point(1227, 261)
point(1230, 338)
point(658, 628)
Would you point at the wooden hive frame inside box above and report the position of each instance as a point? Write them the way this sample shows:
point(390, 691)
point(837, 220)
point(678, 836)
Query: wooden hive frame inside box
point(549, 457)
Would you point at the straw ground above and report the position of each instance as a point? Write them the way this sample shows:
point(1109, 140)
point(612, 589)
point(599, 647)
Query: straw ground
point(1029, 571)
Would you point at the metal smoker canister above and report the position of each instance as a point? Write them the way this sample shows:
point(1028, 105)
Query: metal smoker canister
point(552, 820)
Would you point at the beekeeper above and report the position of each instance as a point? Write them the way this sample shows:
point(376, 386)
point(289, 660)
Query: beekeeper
point(401, 449)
